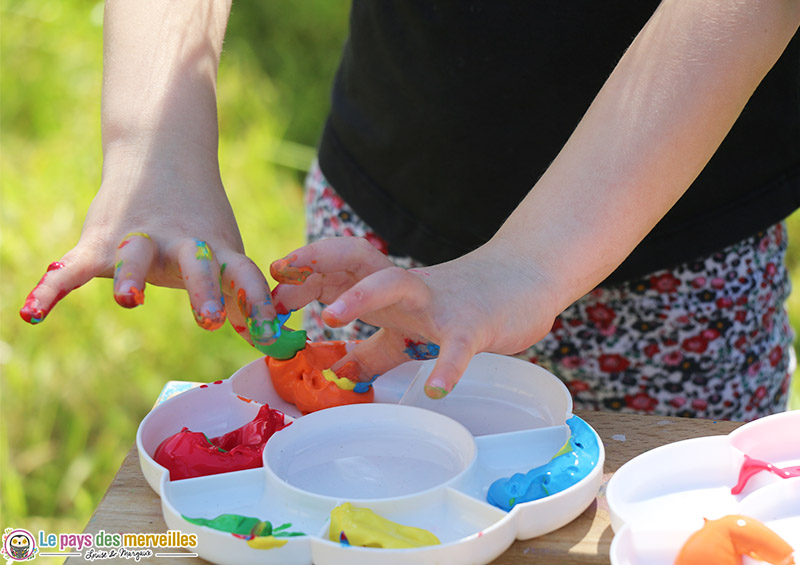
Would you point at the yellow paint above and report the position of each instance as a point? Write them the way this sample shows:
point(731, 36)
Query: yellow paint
point(341, 382)
point(137, 233)
point(364, 528)
point(266, 542)
point(566, 448)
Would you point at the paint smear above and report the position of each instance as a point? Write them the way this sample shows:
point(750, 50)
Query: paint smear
point(32, 311)
point(363, 527)
point(727, 540)
point(419, 350)
point(300, 381)
point(753, 466)
point(203, 251)
point(566, 468)
point(283, 271)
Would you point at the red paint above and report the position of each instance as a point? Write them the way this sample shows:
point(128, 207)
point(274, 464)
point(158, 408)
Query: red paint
point(203, 386)
point(191, 454)
point(753, 466)
point(281, 309)
point(239, 329)
point(32, 311)
point(131, 299)
point(299, 380)
point(217, 382)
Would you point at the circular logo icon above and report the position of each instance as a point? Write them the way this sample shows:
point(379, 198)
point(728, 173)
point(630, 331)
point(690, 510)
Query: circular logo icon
point(19, 545)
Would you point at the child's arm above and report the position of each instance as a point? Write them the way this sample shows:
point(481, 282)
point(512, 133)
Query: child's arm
point(651, 129)
point(161, 214)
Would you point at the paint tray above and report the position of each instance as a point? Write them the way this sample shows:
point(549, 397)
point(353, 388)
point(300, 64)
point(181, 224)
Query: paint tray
point(660, 498)
point(412, 460)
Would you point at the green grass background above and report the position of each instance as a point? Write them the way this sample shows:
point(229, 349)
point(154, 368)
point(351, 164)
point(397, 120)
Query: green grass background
point(75, 387)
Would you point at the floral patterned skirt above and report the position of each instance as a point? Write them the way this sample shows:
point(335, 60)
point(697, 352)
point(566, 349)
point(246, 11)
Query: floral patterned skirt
point(709, 339)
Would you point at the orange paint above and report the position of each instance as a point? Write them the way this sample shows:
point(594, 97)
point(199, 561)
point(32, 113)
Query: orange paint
point(725, 541)
point(283, 271)
point(299, 380)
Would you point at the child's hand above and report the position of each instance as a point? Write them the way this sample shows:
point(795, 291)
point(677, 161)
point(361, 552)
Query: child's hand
point(158, 225)
point(479, 302)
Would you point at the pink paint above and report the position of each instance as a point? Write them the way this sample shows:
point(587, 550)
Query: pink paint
point(753, 466)
point(32, 311)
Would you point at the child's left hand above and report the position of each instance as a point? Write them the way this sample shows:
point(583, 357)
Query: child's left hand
point(479, 302)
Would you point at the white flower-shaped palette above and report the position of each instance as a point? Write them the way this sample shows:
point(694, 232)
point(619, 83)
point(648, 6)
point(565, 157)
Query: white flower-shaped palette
point(660, 498)
point(412, 460)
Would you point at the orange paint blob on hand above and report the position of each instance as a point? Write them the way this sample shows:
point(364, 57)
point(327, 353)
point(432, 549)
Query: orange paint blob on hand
point(300, 381)
point(725, 541)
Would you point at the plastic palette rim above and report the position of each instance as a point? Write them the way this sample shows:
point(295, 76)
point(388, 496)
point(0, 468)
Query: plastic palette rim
point(519, 523)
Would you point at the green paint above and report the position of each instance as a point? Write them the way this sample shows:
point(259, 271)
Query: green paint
point(244, 526)
point(436, 392)
point(286, 346)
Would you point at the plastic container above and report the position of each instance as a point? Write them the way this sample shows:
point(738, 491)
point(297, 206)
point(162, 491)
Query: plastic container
point(660, 498)
point(412, 460)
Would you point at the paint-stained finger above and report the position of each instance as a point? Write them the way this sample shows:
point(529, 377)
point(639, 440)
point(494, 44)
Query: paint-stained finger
point(379, 353)
point(325, 288)
point(354, 255)
point(454, 357)
point(244, 283)
point(132, 262)
point(61, 278)
point(381, 289)
point(200, 271)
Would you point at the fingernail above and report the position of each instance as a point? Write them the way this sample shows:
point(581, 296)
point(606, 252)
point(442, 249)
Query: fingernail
point(436, 392)
point(349, 370)
point(285, 272)
point(31, 311)
point(262, 331)
point(211, 315)
point(336, 309)
point(129, 295)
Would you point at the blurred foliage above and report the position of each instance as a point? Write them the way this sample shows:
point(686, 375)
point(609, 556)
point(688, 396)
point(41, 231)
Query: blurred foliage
point(75, 387)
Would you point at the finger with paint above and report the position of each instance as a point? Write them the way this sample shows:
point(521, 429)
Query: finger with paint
point(201, 277)
point(324, 269)
point(132, 262)
point(60, 278)
point(248, 299)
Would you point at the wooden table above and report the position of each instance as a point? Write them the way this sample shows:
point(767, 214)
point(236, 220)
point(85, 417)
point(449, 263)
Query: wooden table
point(131, 506)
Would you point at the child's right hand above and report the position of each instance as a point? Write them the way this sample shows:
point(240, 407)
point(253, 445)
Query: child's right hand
point(167, 223)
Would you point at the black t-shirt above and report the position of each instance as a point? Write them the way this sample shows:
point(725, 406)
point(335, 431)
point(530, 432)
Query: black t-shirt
point(445, 114)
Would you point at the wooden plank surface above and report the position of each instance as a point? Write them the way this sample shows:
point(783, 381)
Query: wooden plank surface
point(131, 506)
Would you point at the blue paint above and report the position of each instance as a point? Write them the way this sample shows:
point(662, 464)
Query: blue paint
point(421, 351)
point(364, 387)
point(560, 473)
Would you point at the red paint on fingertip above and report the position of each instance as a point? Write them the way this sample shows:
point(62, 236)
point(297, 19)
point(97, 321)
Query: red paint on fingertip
point(281, 309)
point(131, 299)
point(32, 311)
